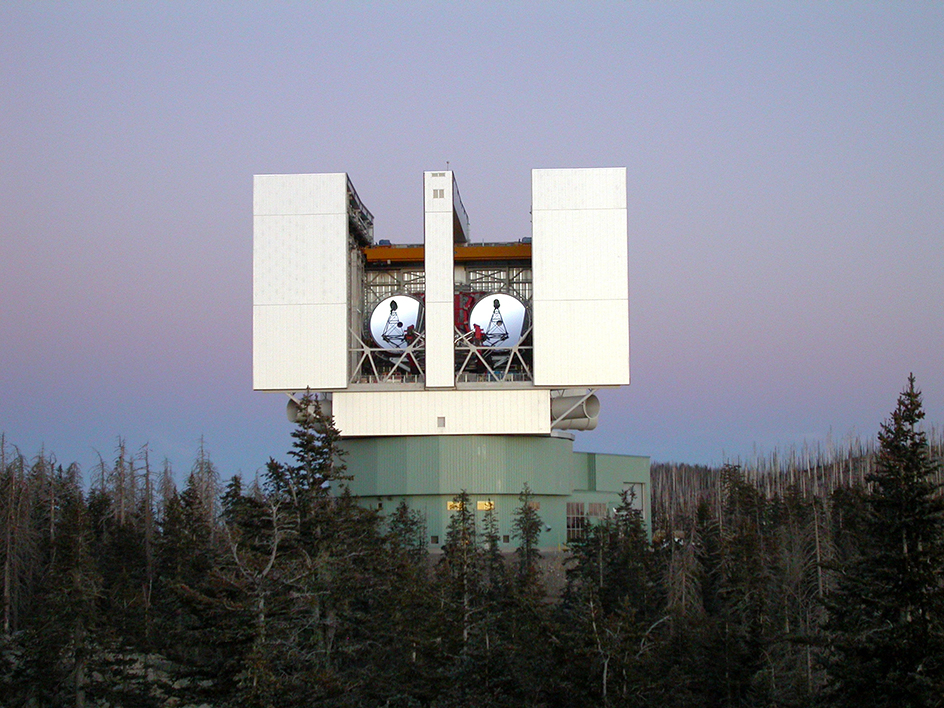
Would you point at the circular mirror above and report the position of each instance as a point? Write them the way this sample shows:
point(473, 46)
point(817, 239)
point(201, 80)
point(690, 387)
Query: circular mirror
point(395, 322)
point(497, 321)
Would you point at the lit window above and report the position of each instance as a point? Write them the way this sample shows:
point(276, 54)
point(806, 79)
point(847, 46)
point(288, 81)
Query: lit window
point(576, 521)
point(453, 506)
point(486, 505)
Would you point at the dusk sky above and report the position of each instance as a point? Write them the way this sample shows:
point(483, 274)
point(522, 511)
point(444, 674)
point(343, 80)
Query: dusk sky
point(785, 168)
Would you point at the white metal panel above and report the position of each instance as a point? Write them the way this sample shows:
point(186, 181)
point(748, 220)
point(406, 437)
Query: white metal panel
point(598, 357)
point(579, 259)
point(300, 194)
point(582, 188)
point(299, 346)
point(440, 366)
point(299, 259)
point(460, 412)
point(580, 254)
point(300, 287)
point(438, 227)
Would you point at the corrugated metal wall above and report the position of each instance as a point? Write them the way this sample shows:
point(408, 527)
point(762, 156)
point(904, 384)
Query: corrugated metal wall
point(428, 472)
point(480, 464)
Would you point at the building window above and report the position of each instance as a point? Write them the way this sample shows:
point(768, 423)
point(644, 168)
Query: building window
point(506, 539)
point(453, 506)
point(434, 540)
point(485, 505)
point(576, 521)
point(441, 421)
point(597, 510)
point(439, 194)
point(536, 505)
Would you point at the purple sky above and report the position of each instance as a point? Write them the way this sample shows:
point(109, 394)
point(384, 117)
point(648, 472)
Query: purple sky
point(786, 201)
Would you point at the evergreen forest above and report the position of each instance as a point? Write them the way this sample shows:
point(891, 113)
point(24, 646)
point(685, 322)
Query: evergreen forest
point(811, 577)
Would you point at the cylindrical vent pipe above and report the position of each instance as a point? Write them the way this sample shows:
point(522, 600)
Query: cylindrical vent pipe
point(588, 408)
point(577, 424)
point(295, 412)
point(575, 412)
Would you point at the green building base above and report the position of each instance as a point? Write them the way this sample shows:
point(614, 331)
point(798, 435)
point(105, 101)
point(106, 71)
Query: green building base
point(570, 488)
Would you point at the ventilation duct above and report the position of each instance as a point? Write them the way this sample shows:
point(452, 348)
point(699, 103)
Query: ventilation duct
point(575, 412)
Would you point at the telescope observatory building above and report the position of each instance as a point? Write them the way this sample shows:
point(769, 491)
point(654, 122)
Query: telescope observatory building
point(450, 365)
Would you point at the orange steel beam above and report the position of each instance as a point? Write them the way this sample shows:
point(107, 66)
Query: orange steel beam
point(414, 254)
point(394, 254)
point(501, 252)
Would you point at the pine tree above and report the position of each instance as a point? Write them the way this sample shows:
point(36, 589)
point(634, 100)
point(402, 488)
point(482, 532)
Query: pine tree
point(257, 532)
point(17, 535)
point(407, 534)
point(494, 564)
point(318, 468)
point(742, 611)
point(610, 597)
point(461, 564)
point(308, 566)
point(404, 650)
point(886, 623)
point(202, 625)
point(67, 620)
point(526, 530)
point(614, 559)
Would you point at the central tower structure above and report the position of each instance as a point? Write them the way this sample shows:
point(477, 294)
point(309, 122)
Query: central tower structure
point(479, 354)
